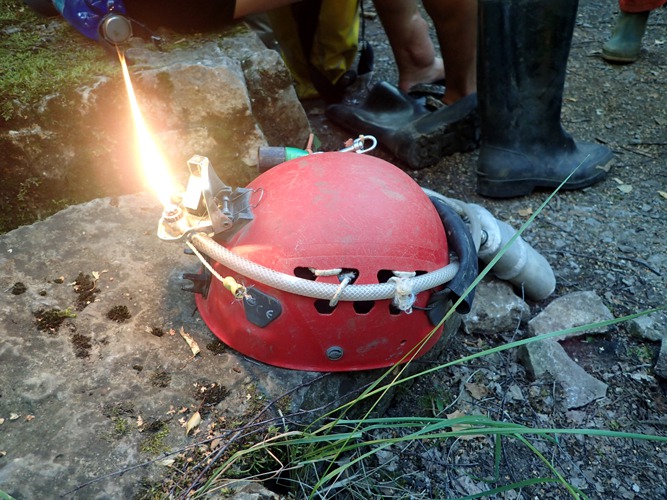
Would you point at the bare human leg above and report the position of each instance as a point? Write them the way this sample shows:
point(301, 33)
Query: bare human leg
point(410, 42)
point(455, 22)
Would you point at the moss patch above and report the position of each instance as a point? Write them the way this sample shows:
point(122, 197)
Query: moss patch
point(82, 345)
point(49, 320)
point(160, 378)
point(86, 289)
point(38, 56)
point(120, 427)
point(155, 444)
point(119, 314)
point(19, 288)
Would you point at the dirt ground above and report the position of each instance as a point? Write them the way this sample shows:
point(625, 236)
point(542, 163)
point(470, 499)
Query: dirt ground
point(608, 239)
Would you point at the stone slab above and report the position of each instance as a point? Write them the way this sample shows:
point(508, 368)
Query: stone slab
point(65, 389)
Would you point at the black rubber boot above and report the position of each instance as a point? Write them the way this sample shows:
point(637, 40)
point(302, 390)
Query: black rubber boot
point(412, 133)
point(522, 54)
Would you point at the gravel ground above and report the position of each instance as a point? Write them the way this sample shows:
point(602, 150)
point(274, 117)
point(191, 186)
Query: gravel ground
point(608, 239)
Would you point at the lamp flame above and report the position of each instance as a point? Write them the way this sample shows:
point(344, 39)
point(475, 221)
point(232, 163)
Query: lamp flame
point(155, 167)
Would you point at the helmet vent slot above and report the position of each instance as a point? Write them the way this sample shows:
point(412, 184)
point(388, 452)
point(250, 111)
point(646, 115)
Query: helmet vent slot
point(347, 271)
point(307, 273)
point(363, 306)
point(384, 275)
point(322, 306)
point(304, 273)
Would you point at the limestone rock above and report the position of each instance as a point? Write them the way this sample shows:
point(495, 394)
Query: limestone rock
point(81, 369)
point(650, 327)
point(569, 311)
point(249, 490)
point(661, 364)
point(208, 105)
point(81, 142)
point(278, 113)
point(496, 308)
point(547, 358)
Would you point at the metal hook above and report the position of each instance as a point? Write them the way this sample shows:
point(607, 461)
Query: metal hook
point(358, 145)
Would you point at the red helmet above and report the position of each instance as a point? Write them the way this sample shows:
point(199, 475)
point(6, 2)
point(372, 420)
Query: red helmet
point(352, 213)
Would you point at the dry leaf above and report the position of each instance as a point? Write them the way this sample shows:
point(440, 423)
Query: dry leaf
point(2, 421)
point(663, 194)
point(477, 391)
point(526, 212)
point(14, 416)
point(191, 342)
point(625, 188)
point(462, 427)
point(2, 453)
point(617, 180)
point(29, 418)
point(140, 421)
point(172, 332)
point(97, 274)
point(167, 462)
point(194, 421)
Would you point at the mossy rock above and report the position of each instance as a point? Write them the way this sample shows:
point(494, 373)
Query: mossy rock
point(66, 132)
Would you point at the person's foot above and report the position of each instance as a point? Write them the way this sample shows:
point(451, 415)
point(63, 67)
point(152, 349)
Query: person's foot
point(409, 77)
point(625, 44)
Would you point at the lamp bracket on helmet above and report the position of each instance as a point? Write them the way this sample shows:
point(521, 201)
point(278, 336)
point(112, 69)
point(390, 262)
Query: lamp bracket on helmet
point(208, 205)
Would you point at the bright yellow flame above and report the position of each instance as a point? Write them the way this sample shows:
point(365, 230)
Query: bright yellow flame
point(155, 167)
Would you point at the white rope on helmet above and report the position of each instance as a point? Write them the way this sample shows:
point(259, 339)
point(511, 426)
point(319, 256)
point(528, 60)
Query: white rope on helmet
point(404, 296)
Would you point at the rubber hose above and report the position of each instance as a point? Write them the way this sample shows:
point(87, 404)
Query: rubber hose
point(314, 289)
